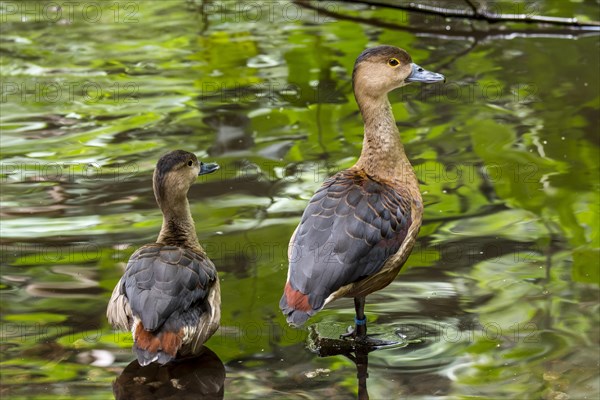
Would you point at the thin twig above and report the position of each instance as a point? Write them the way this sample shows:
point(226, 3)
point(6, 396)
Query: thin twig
point(458, 55)
point(478, 14)
point(473, 6)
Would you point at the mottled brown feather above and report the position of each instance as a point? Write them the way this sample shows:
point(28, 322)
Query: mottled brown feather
point(296, 299)
point(145, 340)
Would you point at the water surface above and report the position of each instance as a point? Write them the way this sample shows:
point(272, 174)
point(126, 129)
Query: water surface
point(501, 292)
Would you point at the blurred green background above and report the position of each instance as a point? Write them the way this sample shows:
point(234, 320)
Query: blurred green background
point(501, 288)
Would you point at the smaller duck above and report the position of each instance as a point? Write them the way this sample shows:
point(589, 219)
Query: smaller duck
point(169, 296)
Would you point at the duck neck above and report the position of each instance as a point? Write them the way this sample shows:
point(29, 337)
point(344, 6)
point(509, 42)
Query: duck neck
point(382, 156)
point(178, 228)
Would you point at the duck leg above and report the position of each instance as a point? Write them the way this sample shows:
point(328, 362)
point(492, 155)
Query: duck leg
point(359, 333)
point(360, 319)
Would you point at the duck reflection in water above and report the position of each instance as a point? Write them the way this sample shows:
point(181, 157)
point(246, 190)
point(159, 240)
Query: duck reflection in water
point(357, 352)
point(201, 377)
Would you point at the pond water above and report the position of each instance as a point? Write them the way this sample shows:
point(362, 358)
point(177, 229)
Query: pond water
point(500, 296)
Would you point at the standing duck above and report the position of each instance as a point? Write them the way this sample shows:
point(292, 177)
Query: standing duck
point(360, 226)
point(169, 295)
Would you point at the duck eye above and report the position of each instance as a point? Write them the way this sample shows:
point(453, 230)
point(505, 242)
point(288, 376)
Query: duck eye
point(393, 62)
point(190, 163)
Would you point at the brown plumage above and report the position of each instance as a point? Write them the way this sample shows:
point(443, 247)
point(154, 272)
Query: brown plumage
point(360, 226)
point(169, 295)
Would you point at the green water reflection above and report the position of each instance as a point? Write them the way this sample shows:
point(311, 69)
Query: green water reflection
point(501, 290)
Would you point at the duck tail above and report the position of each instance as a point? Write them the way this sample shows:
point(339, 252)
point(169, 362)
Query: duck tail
point(149, 346)
point(295, 306)
point(297, 318)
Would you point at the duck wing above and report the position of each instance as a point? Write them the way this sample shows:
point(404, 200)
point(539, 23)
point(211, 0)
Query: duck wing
point(160, 280)
point(351, 226)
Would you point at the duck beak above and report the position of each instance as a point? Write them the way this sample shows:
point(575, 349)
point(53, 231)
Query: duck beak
point(208, 168)
point(420, 74)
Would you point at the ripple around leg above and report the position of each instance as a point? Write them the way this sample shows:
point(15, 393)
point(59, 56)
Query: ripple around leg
point(325, 340)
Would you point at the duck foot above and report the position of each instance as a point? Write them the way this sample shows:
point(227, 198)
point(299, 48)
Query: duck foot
point(359, 332)
point(360, 338)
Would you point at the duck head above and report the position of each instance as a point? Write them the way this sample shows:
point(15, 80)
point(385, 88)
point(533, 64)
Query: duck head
point(175, 172)
point(379, 70)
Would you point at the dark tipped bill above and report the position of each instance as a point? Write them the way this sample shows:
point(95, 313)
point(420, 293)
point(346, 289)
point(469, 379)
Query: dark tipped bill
point(419, 74)
point(208, 168)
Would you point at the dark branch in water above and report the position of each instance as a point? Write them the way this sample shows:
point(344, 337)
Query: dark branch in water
point(443, 33)
point(477, 13)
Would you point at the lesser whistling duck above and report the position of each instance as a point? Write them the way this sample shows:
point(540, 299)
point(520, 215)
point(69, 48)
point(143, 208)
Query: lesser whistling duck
point(169, 296)
point(360, 226)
